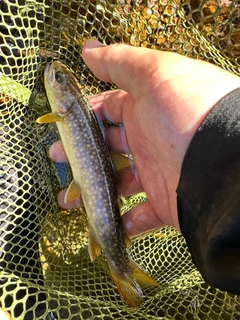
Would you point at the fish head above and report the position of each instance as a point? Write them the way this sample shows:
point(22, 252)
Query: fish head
point(62, 88)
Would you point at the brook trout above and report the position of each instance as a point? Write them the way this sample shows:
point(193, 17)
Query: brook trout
point(94, 178)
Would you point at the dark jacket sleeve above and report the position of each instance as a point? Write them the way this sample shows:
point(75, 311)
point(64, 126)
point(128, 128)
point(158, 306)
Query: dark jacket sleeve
point(208, 195)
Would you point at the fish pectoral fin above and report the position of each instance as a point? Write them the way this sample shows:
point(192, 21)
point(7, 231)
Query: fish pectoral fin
point(48, 118)
point(94, 248)
point(130, 286)
point(72, 193)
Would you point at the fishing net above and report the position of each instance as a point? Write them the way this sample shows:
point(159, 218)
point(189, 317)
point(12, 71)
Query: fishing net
point(45, 270)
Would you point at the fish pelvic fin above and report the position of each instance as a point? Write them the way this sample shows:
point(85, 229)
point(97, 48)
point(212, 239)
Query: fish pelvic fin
point(48, 118)
point(130, 286)
point(94, 248)
point(72, 193)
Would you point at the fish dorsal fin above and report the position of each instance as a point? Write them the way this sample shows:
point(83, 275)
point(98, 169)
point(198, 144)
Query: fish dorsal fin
point(48, 118)
point(94, 248)
point(72, 193)
point(120, 161)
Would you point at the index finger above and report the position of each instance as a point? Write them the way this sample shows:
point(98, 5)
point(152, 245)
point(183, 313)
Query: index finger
point(102, 102)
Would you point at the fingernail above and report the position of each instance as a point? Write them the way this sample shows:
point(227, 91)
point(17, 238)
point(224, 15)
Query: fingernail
point(53, 154)
point(56, 152)
point(106, 114)
point(92, 43)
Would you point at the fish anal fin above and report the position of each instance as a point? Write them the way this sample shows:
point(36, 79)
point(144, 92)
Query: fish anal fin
point(130, 286)
point(72, 193)
point(94, 248)
point(48, 118)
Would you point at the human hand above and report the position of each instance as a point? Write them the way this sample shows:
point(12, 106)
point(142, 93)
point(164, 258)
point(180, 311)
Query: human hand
point(163, 99)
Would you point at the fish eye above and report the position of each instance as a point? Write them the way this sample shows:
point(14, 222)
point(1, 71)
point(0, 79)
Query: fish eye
point(60, 76)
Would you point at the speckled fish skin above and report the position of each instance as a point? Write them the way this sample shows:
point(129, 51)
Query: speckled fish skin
point(92, 172)
point(89, 159)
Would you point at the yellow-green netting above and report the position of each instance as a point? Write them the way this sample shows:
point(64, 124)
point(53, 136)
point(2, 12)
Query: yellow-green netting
point(45, 270)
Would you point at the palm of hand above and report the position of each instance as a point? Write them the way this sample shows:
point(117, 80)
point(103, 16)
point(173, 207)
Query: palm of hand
point(165, 98)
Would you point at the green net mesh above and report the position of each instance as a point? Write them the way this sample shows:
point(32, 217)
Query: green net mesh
point(45, 271)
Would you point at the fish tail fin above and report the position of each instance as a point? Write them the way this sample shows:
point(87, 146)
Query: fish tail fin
point(130, 285)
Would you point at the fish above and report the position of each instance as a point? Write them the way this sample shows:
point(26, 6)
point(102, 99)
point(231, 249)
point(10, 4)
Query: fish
point(94, 178)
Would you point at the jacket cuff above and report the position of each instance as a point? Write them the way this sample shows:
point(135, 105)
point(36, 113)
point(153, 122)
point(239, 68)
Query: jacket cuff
point(208, 195)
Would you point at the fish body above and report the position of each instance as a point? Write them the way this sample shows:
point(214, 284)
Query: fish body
point(93, 177)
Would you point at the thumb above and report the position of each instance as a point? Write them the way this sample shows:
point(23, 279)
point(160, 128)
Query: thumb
point(116, 63)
